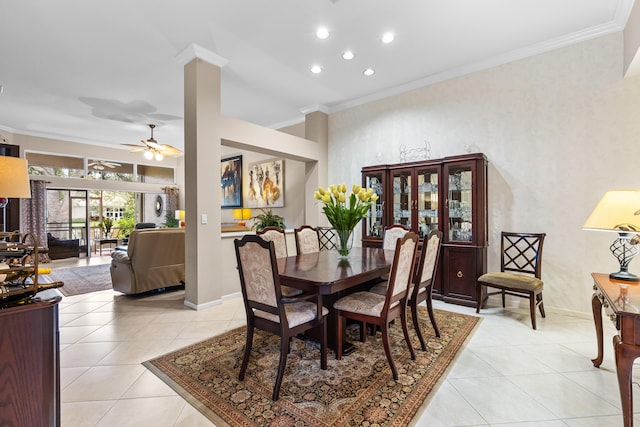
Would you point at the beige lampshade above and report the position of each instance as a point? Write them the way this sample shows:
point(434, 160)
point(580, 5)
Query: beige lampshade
point(617, 211)
point(14, 178)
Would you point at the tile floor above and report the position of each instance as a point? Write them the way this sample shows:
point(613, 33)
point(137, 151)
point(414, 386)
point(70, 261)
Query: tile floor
point(508, 374)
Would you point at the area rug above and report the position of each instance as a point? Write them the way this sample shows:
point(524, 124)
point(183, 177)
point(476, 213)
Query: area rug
point(82, 280)
point(357, 390)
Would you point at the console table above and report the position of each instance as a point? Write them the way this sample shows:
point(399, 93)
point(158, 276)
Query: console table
point(621, 301)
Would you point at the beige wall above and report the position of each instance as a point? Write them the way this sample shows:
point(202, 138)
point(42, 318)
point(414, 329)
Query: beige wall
point(559, 129)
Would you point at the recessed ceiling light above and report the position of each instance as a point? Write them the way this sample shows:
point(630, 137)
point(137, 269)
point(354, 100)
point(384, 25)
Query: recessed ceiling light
point(369, 72)
point(387, 38)
point(348, 55)
point(322, 33)
point(316, 69)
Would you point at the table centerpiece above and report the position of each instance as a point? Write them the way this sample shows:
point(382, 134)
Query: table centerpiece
point(345, 212)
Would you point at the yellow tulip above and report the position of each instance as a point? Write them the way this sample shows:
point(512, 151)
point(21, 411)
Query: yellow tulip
point(326, 198)
point(369, 192)
point(332, 188)
point(374, 197)
point(355, 189)
point(321, 191)
point(336, 195)
point(342, 198)
point(317, 195)
point(343, 188)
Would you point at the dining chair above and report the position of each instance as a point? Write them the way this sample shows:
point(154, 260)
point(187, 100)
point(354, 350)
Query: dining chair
point(391, 235)
point(277, 236)
point(520, 272)
point(307, 239)
point(426, 269)
point(267, 309)
point(380, 310)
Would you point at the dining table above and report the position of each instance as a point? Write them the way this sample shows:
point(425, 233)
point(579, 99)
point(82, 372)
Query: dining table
point(334, 276)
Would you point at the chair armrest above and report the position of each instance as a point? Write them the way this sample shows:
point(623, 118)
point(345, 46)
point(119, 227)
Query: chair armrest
point(120, 256)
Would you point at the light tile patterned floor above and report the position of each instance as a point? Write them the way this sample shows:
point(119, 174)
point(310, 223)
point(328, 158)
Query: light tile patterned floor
point(508, 375)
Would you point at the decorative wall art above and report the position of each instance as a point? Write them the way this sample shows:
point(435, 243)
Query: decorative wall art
point(266, 184)
point(231, 182)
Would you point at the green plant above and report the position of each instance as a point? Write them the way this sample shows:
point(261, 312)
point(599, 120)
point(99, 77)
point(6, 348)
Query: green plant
point(106, 225)
point(266, 219)
point(170, 220)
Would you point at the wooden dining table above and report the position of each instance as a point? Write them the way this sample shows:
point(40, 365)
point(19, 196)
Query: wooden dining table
point(333, 276)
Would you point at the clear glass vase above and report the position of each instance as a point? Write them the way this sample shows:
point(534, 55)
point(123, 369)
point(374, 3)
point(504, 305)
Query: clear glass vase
point(345, 241)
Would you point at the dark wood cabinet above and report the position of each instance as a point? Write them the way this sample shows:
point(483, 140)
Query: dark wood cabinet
point(30, 364)
point(448, 194)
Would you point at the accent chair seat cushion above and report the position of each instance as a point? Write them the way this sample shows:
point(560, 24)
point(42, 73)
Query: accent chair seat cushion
point(512, 281)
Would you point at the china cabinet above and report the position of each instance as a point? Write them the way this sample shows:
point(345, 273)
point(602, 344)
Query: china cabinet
point(448, 194)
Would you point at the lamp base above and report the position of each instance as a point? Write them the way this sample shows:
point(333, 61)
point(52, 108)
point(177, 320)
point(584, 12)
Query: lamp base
point(624, 276)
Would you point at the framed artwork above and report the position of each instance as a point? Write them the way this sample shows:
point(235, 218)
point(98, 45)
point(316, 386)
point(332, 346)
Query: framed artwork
point(266, 184)
point(231, 181)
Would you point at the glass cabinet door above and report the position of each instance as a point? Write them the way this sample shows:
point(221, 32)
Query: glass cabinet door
point(427, 201)
point(460, 203)
point(374, 222)
point(403, 203)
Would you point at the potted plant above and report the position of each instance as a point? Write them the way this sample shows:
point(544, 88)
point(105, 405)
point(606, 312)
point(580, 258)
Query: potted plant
point(106, 225)
point(268, 218)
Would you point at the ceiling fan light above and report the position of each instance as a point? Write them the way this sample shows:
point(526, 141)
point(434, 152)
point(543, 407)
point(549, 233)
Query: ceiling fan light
point(148, 155)
point(159, 156)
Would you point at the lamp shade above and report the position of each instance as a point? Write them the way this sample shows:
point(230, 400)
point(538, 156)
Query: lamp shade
point(14, 178)
point(617, 211)
point(242, 214)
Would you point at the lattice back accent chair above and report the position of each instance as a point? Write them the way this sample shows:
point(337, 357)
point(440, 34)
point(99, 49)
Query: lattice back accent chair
point(426, 269)
point(267, 309)
point(277, 236)
point(520, 271)
point(380, 310)
point(307, 240)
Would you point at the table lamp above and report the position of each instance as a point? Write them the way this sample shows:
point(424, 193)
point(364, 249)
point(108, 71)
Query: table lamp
point(14, 182)
point(179, 215)
point(241, 215)
point(619, 211)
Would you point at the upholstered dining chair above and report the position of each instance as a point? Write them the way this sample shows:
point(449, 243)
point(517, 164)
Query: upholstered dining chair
point(391, 235)
point(380, 310)
point(307, 240)
point(268, 310)
point(520, 272)
point(426, 269)
point(277, 236)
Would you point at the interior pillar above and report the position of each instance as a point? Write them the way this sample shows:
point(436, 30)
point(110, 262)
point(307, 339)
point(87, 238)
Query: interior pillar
point(202, 176)
point(317, 130)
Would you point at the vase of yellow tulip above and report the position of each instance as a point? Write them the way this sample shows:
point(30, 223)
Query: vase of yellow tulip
point(345, 212)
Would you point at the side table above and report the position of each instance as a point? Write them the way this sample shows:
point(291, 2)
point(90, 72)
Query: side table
point(621, 301)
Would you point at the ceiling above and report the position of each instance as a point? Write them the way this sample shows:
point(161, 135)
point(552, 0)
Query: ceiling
point(99, 72)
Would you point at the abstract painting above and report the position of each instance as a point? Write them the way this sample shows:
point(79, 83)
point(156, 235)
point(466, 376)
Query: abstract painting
point(266, 184)
point(231, 182)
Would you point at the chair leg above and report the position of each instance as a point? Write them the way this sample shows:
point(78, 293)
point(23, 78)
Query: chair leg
point(432, 316)
point(339, 338)
point(478, 297)
point(247, 352)
point(416, 325)
point(387, 349)
point(540, 305)
point(284, 347)
point(532, 309)
point(363, 331)
point(405, 331)
point(323, 345)
point(503, 299)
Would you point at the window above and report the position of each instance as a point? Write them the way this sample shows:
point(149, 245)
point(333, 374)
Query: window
point(52, 165)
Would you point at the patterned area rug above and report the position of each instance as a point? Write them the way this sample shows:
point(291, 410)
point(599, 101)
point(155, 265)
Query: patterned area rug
point(357, 390)
point(82, 280)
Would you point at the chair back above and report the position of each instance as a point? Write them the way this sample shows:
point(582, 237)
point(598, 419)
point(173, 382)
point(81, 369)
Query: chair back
point(429, 256)
point(391, 235)
point(522, 253)
point(402, 268)
point(277, 236)
point(307, 240)
point(258, 269)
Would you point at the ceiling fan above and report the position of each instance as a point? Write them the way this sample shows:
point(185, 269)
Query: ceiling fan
point(99, 165)
point(152, 149)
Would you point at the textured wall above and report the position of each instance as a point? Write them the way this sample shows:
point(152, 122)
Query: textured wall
point(559, 129)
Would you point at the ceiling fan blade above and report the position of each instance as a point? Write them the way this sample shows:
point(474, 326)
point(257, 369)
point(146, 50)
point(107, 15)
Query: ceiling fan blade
point(135, 145)
point(154, 145)
point(170, 150)
point(111, 164)
point(137, 150)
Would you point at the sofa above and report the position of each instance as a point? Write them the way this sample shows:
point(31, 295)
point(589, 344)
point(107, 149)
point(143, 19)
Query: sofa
point(60, 249)
point(154, 260)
